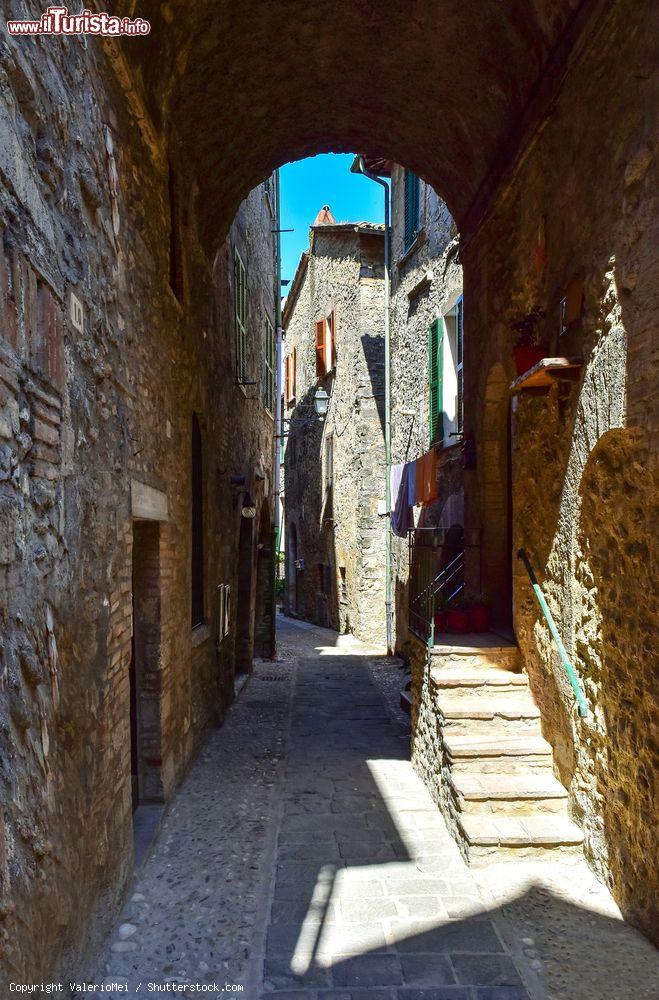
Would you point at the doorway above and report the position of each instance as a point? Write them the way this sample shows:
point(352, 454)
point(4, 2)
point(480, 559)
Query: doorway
point(145, 667)
point(292, 569)
point(246, 602)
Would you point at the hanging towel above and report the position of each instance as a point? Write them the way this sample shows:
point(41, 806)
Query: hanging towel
point(420, 478)
point(410, 475)
point(399, 506)
point(430, 490)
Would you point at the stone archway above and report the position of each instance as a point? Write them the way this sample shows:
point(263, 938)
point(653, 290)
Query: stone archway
point(330, 82)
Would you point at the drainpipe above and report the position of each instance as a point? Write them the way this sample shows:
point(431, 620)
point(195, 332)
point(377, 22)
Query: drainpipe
point(358, 167)
point(276, 477)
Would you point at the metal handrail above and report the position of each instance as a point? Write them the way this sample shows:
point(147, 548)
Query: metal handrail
point(562, 652)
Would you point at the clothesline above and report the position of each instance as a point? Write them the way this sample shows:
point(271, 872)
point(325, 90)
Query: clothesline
point(412, 483)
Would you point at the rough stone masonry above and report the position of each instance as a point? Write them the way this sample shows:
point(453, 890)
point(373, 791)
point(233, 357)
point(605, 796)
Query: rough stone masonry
point(114, 330)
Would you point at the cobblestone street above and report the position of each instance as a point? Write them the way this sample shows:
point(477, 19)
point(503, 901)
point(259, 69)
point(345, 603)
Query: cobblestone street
point(303, 859)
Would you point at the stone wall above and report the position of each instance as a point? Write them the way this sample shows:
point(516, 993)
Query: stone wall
point(583, 462)
point(88, 409)
point(426, 281)
point(338, 526)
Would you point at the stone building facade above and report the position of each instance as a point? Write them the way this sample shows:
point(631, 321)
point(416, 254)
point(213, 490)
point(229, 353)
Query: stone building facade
point(426, 292)
point(335, 468)
point(119, 517)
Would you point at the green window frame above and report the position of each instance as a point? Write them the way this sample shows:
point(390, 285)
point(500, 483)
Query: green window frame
point(240, 312)
point(412, 188)
point(459, 368)
point(435, 380)
point(268, 380)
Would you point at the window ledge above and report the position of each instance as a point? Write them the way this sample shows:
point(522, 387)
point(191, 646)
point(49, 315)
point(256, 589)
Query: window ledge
point(416, 244)
point(199, 634)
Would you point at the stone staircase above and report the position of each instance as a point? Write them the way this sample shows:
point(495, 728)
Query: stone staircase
point(499, 792)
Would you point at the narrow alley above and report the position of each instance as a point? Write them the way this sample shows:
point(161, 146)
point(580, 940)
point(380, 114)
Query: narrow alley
point(303, 859)
point(328, 499)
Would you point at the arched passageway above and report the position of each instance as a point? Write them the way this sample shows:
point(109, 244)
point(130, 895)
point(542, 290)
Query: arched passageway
point(533, 120)
point(237, 96)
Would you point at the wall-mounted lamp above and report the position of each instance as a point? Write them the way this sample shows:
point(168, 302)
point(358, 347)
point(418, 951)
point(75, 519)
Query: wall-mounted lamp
point(248, 509)
point(321, 402)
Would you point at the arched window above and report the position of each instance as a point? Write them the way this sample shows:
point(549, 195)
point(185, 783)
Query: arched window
point(197, 526)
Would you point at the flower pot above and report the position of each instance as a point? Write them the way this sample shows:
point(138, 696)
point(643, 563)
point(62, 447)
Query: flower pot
point(440, 621)
point(528, 355)
point(479, 618)
point(457, 621)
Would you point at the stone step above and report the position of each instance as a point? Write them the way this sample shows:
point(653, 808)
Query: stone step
point(486, 838)
point(476, 677)
point(508, 794)
point(474, 650)
point(487, 705)
point(486, 712)
point(476, 747)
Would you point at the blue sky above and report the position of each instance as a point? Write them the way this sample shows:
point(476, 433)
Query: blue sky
point(307, 185)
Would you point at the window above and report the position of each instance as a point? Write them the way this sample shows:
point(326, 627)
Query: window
point(325, 336)
point(175, 249)
point(197, 588)
point(291, 375)
point(269, 354)
point(240, 309)
point(344, 585)
point(412, 186)
point(446, 376)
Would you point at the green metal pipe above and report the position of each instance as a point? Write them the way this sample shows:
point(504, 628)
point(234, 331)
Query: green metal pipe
point(567, 666)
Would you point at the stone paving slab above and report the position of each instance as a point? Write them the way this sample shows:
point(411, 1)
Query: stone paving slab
point(303, 859)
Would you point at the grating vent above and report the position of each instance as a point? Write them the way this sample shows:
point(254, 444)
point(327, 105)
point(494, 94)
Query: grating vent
point(271, 677)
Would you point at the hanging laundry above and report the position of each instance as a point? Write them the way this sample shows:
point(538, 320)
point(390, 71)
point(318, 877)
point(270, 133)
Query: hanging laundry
point(430, 490)
point(399, 502)
point(410, 476)
point(420, 477)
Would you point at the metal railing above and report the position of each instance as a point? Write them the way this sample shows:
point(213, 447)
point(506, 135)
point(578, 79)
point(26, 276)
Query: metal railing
point(562, 652)
point(436, 580)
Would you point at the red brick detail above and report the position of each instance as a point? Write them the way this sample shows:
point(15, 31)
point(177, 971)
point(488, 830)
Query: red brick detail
point(47, 348)
point(8, 304)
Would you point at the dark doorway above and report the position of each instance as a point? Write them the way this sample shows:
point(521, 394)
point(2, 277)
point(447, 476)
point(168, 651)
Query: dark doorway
point(245, 602)
point(145, 667)
point(292, 558)
point(265, 588)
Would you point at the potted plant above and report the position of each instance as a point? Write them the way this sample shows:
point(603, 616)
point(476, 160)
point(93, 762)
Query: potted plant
point(529, 347)
point(457, 620)
point(478, 611)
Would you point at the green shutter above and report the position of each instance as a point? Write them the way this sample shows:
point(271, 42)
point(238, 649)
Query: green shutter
point(412, 206)
point(436, 415)
point(240, 309)
point(460, 365)
point(268, 376)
